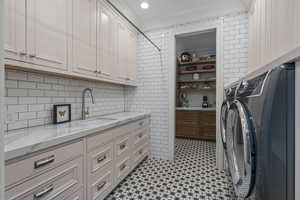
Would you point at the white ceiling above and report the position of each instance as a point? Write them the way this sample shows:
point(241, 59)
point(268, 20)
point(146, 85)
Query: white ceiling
point(169, 12)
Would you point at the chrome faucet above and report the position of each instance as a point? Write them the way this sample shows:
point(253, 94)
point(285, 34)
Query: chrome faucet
point(85, 111)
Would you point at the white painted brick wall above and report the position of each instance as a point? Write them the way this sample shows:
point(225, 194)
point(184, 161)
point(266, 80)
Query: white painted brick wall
point(30, 98)
point(152, 91)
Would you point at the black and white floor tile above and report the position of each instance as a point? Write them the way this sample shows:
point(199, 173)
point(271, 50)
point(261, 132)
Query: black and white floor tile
point(191, 176)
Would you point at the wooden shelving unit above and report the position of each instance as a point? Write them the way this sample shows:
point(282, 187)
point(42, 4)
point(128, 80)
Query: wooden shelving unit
point(198, 62)
point(198, 89)
point(197, 81)
point(198, 71)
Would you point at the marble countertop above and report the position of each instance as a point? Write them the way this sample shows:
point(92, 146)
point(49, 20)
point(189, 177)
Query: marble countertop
point(195, 108)
point(25, 141)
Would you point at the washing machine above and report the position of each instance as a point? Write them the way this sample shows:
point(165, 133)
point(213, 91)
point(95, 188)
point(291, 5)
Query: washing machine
point(229, 97)
point(259, 135)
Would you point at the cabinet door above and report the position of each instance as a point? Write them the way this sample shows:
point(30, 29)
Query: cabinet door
point(122, 50)
point(15, 30)
point(131, 70)
point(297, 23)
point(48, 32)
point(85, 36)
point(105, 41)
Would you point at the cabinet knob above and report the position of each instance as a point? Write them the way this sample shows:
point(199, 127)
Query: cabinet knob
point(101, 185)
point(32, 55)
point(122, 146)
point(22, 53)
point(101, 159)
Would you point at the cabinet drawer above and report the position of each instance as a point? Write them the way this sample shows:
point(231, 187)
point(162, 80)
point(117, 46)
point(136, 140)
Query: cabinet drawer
point(77, 195)
point(101, 138)
point(122, 146)
point(140, 136)
point(140, 154)
point(123, 168)
point(34, 164)
point(140, 124)
point(101, 186)
point(100, 157)
point(56, 184)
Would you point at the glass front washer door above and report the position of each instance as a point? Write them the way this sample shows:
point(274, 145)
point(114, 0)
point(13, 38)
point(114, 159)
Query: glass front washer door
point(240, 149)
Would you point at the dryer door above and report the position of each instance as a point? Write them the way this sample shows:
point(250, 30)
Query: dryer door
point(223, 118)
point(240, 149)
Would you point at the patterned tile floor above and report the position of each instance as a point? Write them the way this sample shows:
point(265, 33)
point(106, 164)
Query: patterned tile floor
point(191, 176)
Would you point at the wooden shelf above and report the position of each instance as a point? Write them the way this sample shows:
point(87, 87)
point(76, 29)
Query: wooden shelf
point(198, 71)
point(198, 62)
point(199, 89)
point(197, 81)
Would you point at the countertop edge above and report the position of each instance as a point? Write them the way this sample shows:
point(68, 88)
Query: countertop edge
point(26, 150)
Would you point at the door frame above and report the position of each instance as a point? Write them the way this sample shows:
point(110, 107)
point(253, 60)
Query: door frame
point(180, 30)
point(1, 99)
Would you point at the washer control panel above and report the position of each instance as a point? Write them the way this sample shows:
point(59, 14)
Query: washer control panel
point(252, 87)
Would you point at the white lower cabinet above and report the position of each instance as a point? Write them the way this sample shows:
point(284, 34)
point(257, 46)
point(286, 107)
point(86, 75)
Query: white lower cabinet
point(85, 169)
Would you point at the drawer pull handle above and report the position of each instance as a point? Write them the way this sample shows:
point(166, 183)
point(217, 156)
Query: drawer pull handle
point(101, 159)
point(44, 192)
point(43, 162)
point(101, 185)
point(122, 146)
point(141, 151)
point(123, 166)
point(141, 123)
point(140, 135)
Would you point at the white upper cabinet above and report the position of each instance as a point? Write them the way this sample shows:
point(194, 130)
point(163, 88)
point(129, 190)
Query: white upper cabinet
point(127, 40)
point(79, 38)
point(122, 53)
point(48, 32)
point(15, 29)
point(85, 36)
point(131, 71)
point(296, 23)
point(106, 41)
point(273, 30)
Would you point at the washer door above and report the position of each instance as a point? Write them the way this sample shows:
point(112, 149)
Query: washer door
point(223, 118)
point(240, 149)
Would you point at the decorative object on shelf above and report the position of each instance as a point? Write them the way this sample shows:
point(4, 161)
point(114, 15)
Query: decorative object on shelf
point(194, 57)
point(185, 57)
point(208, 57)
point(191, 68)
point(208, 67)
point(196, 76)
point(183, 99)
point(206, 85)
point(205, 102)
point(61, 113)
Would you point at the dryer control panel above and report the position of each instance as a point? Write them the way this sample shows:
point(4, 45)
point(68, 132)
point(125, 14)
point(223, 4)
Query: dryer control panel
point(252, 87)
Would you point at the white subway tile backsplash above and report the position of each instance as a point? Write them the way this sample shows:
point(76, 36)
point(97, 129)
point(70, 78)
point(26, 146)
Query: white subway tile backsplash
point(17, 125)
point(17, 108)
point(16, 75)
point(36, 93)
point(35, 77)
point(26, 84)
point(11, 84)
point(36, 107)
point(11, 100)
point(27, 100)
point(27, 115)
point(17, 92)
point(30, 98)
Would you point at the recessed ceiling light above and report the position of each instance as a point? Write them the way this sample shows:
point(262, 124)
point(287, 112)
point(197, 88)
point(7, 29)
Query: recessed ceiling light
point(145, 5)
